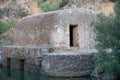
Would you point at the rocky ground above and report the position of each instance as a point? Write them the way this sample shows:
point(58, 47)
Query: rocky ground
point(14, 8)
point(105, 7)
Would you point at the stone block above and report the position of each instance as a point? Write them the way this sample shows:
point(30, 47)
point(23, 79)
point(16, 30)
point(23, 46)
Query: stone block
point(67, 64)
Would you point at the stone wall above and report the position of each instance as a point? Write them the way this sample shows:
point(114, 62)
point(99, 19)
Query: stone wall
point(49, 32)
point(35, 30)
point(52, 29)
point(43, 60)
point(30, 55)
point(67, 64)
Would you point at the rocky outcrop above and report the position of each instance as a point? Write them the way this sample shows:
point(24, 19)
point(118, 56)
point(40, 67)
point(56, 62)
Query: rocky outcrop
point(104, 6)
point(16, 8)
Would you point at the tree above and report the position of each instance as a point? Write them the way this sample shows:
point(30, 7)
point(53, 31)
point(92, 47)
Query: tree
point(107, 31)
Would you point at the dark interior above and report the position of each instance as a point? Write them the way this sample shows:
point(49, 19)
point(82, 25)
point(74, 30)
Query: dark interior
point(72, 27)
point(22, 64)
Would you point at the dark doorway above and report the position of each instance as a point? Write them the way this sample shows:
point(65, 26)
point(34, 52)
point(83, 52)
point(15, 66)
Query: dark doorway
point(8, 67)
point(21, 65)
point(8, 63)
point(74, 36)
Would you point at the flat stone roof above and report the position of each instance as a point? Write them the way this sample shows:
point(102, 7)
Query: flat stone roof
point(62, 11)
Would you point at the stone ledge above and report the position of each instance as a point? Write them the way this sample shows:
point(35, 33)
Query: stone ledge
point(30, 54)
point(67, 64)
point(25, 52)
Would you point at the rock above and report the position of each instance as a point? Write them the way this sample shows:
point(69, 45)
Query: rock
point(14, 8)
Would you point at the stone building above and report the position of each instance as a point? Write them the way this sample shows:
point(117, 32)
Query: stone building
point(58, 29)
point(51, 35)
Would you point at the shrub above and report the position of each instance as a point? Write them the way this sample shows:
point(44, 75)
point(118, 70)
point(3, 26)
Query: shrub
point(0, 11)
point(50, 6)
point(108, 38)
point(3, 27)
point(12, 23)
point(44, 0)
point(112, 0)
point(23, 13)
point(108, 0)
point(63, 3)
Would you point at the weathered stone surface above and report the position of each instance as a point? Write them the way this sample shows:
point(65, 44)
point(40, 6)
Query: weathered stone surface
point(68, 64)
point(7, 37)
point(53, 29)
point(65, 64)
point(30, 54)
point(57, 31)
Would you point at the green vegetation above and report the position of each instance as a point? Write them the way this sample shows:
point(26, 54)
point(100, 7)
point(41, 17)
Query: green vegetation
point(108, 0)
point(47, 6)
point(4, 26)
point(108, 44)
point(23, 13)
point(12, 23)
point(63, 3)
point(0, 11)
point(51, 6)
point(112, 0)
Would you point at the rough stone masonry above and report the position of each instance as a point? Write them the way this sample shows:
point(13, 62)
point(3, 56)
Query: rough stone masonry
point(58, 31)
point(67, 64)
point(63, 28)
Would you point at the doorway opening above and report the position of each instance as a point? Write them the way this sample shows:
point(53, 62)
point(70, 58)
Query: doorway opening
point(74, 37)
point(21, 65)
point(8, 63)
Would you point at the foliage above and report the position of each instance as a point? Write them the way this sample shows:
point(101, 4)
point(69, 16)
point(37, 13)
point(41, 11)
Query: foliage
point(4, 26)
point(0, 11)
point(12, 23)
point(112, 0)
point(63, 3)
point(108, 0)
point(50, 6)
point(108, 43)
point(44, 0)
point(117, 8)
point(23, 13)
